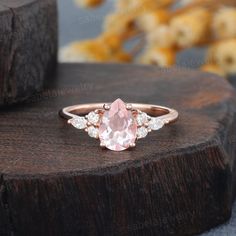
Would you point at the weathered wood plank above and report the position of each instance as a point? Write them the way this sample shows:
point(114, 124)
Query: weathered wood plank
point(28, 47)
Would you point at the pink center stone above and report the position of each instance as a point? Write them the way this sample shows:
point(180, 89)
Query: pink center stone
point(118, 128)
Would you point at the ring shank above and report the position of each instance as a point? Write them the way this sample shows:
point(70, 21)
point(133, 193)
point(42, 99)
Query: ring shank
point(164, 113)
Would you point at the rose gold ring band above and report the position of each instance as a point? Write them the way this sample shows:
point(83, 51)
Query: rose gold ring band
point(118, 125)
point(166, 114)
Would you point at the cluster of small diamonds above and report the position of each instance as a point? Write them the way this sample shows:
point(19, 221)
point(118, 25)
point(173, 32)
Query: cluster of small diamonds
point(89, 123)
point(146, 124)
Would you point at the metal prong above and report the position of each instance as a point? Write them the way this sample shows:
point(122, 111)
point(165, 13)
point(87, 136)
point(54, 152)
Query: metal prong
point(132, 145)
point(86, 129)
point(102, 145)
point(129, 106)
point(89, 123)
point(140, 112)
point(69, 122)
point(99, 111)
point(106, 106)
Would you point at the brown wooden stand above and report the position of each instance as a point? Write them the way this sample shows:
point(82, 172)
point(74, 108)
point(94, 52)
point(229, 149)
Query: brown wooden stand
point(55, 180)
point(28, 47)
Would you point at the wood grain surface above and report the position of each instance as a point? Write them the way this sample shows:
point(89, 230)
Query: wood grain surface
point(28, 47)
point(55, 180)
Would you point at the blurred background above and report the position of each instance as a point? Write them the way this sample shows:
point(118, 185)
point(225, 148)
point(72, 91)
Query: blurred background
point(190, 33)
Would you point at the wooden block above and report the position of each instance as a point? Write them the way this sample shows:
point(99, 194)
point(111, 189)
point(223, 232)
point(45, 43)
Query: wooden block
point(55, 180)
point(28, 47)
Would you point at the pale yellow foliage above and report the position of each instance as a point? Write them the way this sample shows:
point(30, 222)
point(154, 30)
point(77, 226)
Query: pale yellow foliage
point(224, 22)
point(213, 68)
point(84, 51)
point(119, 24)
point(192, 27)
point(161, 37)
point(150, 21)
point(88, 3)
point(163, 57)
point(225, 55)
point(161, 31)
point(140, 6)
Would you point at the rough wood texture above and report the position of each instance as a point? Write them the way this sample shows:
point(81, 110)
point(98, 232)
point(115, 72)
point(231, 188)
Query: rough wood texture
point(55, 180)
point(28, 47)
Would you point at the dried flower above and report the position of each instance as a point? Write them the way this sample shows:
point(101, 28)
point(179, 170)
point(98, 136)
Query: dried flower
point(151, 20)
point(191, 28)
point(162, 57)
point(84, 51)
point(119, 24)
point(161, 37)
point(213, 68)
point(224, 23)
point(210, 55)
point(225, 55)
point(141, 6)
point(163, 30)
point(112, 41)
point(121, 57)
point(88, 3)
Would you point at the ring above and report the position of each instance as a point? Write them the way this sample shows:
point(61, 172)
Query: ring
point(118, 125)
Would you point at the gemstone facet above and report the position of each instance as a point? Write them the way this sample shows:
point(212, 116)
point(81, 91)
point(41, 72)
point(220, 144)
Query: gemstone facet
point(118, 128)
point(93, 132)
point(155, 123)
point(93, 118)
point(142, 132)
point(142, 118)
point(79, 122)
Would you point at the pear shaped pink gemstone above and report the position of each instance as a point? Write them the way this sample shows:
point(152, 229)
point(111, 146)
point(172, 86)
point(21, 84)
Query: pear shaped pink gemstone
point(118, 128)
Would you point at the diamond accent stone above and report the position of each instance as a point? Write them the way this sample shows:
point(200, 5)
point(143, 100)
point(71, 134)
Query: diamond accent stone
point(93, 118)
point(118, 128)
point(79, 122)
point(155, 123)
point(142, 118)
point(142, 132)
point(93, 132)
